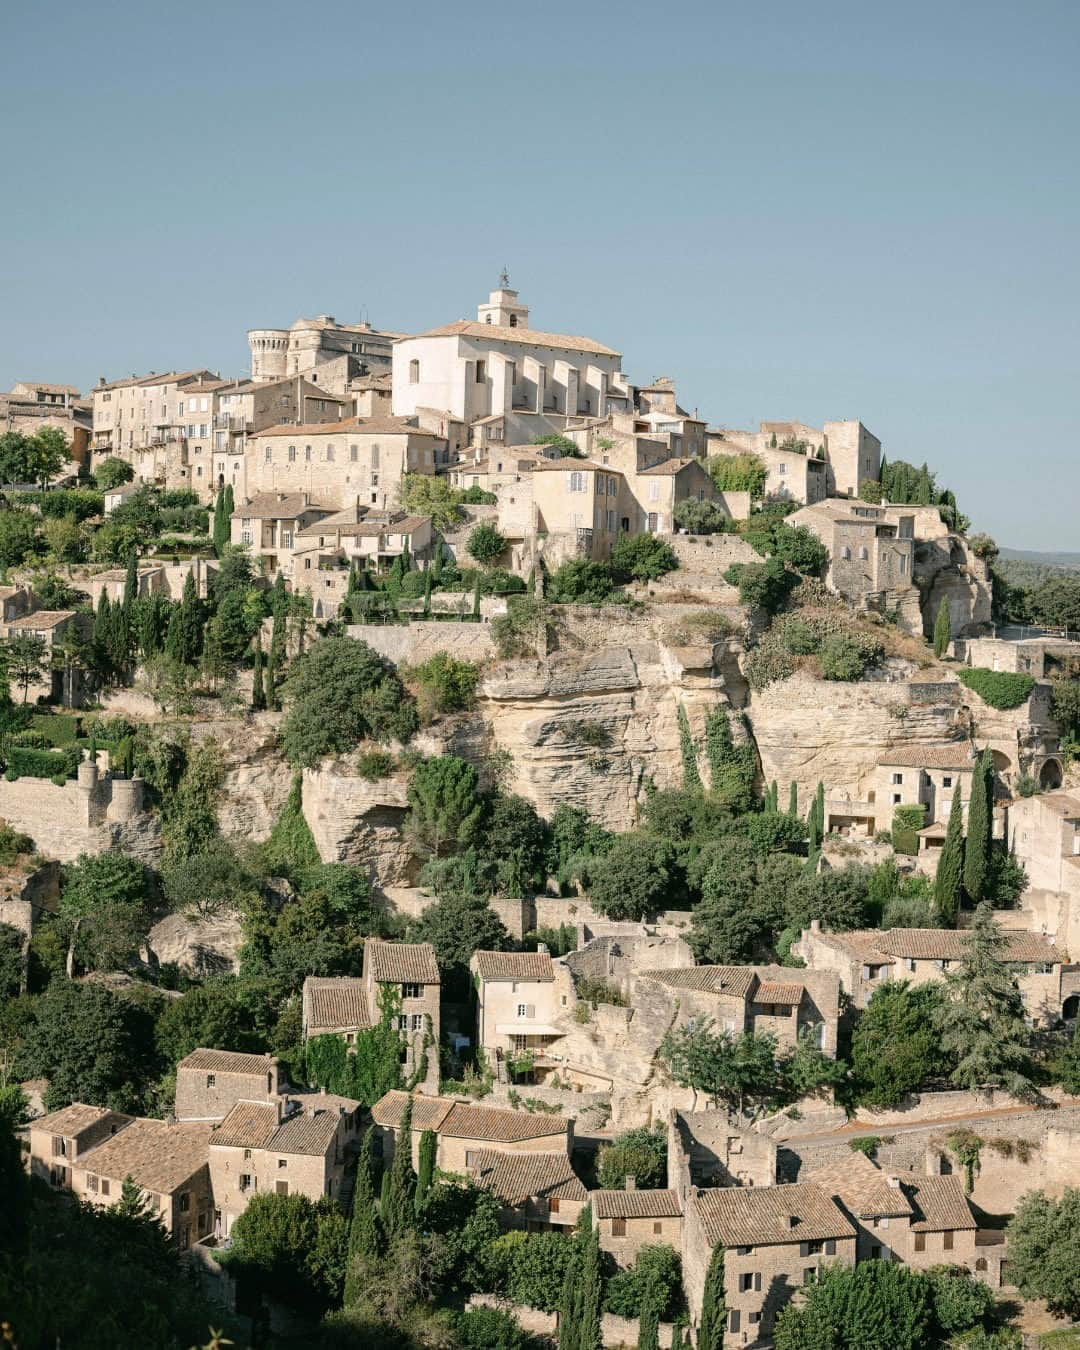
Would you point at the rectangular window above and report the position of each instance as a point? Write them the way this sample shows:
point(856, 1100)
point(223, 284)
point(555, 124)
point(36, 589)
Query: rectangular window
point(577, 482)
point(104, 1185)
point(281, 1187)
point(523, 1010)
point(416, 1021)
point(946, 781)
point(553, 1205)
point(947, 1241)
point(329, 454)
point(412, 991)
point(307, 453)
point(920, 1242)
point(746, 1282)
point(898, 777)
point(414, 372)
point(658, 1227)
point(292, 454)
point(830, 1247)
point(91, 1182)
point(211, 1081)
point(245, 1181)
point(354, 453)
point(185, 1202)
point(734, 1320)
point(403, 1021)
point(374, 456)
point(653, 522)
point(269, 455)
point(480, 372)
point(618, 1228)
point(283, 1162)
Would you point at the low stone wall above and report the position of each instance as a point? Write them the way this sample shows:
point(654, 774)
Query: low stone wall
point(614, 1331)
point(413, 643)
point(938, 1105)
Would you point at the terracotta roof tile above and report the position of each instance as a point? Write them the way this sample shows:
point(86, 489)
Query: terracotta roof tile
point(354, 426)
point(957, 755)
point(635, 1204)
point(517, 1177)
point(527, 337)
point(247, 1125)
point(568, 464)
point(227, 1061)
point(402, 962)
point(42, 618)
point(668, 467)
point(157, 1155)
point(335, 1004)
point(768, 1215)
point(785, 995)
point(428, 1113)
point(466, 1120)
point(940, 1203)
point(949, 944)
point(732, 981)
point(529, 966)
point(862, 1187)
point(72, 1120)
point(305, 1133)
point(277, 506)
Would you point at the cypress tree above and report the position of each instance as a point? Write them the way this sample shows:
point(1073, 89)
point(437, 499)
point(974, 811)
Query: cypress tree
point(793, 801)
point(427, 594)
point(221, 523)
point(230, 505)
point(569, 1309)
point(690, 776)
point(648, 1325)
point(425, 1173)
point(713, 1304)
point(103, 622)
point(591, 1296)
point(949, 878)
point(184, 642)
point(365, 1237)
point(258, 692)
point(398, 1213)
point(436, 563)
point(476, 599)
point(942, 630)
point(772, 798)
point(977, 848)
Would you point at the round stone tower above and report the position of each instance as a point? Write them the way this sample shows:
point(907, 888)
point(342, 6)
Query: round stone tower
point(268, 351)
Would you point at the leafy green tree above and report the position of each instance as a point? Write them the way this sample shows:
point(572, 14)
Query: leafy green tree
point(458, 925)
point(979, 832)
point(1044, 1250)
point(807, 1070)
point(942, 629)
point(511, 846)
point(447, 684)
point(485, 544)
point(637, 876)
point(762, 586)
point(732, 767)
point(290, 1249)
point(590, 1294)
point(642, 557)
point(959, 1300)
point(221, 524)
point(949, 878)
point(14, 457)
point(26, 659)
point(701, 517)
point(713, 1321)
point(213, 1015)
point(445, 809)
point(730, 1069)
point(800, 548)
point(876, 1305)
point(580, 581)
point(337, 693)
point(104, 903)
point(113, 473)
point(11, 961)
point(654, 1280)
point(211, 882)
point(639, 1153)
point(895, 1048)
point(982, 1023)
point(742, 472)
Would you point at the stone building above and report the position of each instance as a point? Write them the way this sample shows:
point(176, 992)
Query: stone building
point(871, 558)
point(911, 775)
point(59, 1139)
point(865, 959)
point(1044, 835)
point(519, 995)
point(705, 1149)
point(31, 405)
point(465, 1129)
point(775, 1240)
point(329, 353)
point(581, 504)
point(50, 626)
point(343, 1005)
point(89, 814)
point(922, 1221)
point(629, 1220)
point(287, 1147)
point(269, 524)
point(145, 411)
point(780, 1000)
point(499, 367)
point(209, 1083)
point(359, 536)
point(790, 475)
point(851, 456)
point(353, 463)
point(660, 488)
point(536, 1191)
point(167, 1161)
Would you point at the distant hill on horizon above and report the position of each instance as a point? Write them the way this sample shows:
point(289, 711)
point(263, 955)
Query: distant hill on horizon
point(1070, 561)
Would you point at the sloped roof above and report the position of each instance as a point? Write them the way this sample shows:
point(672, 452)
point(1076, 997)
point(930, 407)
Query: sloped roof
point(402, 962)
point(761, 1216)
point(358, 426)
point(428, 1113)
point(466, 1120)
point(517, 1177)
point(305, 1133)
point(958, 755)
point(785, 995)
point(668, 467)
point(42, 618)
point(277, 506)
point(569, 464)
point(227, 1061)
point(635, 1204)
point(528, 966)
point(526, 337)
point(157, 1155)
point(49, 388)
point(731, 981)
point(336, 1001)
point(862, 1187)
point(247, 1125)
point(72, 1120)
point(940, 1203)
point(886, 946)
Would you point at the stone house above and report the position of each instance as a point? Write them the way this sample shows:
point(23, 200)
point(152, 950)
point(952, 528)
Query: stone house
point(51, 626)
point(342, 464)
point(660, 488)
point(582, 504)
point(536, 1191)
point(705, 1149)
point(166, 1160)
point(270, 524)
point(777, 999)
point(922, 1221)
point(519, 995)
point(775, 1240)
point(142, 413)
point(31, 405)
point(871, 558)
point(790, 475)
point(629, 1220)
point(464, 1129)
point(329, 353)
point(58, 1140)
point(500, 367)
point(927, 776)
point(864, 959)
point(209, 1083)
point(288, 1147)
point(344, 1005)
point(359, 536)
point(1043, 832)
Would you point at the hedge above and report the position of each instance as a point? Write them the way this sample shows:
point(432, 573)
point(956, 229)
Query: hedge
point(999, 688)
point(907, 822)
point(27, 763)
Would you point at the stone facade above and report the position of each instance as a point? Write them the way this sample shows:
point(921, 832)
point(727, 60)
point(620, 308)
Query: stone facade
point(330, 354)
point(465, 1130)
point(209, 1083)
point(631, 1219)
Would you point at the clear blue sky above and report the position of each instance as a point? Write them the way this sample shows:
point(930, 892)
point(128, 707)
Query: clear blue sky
point(805, 211)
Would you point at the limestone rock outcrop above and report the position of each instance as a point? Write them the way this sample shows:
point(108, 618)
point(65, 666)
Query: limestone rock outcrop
point(357, 821)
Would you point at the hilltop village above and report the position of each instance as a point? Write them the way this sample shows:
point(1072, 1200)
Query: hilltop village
point(493, 859)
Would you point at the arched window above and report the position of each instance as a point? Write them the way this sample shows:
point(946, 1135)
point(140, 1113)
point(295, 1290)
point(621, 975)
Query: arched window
point(414, 372)
point(864, 554)
point(845, 552)
point(513, 320)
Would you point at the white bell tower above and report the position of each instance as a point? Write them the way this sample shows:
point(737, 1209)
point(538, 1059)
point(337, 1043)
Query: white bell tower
point(503, 308)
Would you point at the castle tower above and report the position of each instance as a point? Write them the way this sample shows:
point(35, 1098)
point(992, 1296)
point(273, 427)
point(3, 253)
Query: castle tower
point(268, 350)
point(503, 307)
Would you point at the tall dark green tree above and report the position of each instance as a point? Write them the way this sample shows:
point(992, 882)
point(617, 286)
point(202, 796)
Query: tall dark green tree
point(425, 1174)
point(258, 692)
point(691, 776)
point(793, 800)
point(221, 524)
point(398, 1213)
point(365, 1231)
point(230, 504)
point(713, 1305)
point(980, 824)
point(592, 1290)
point(982, 1025)
point(184, 641)
point(949, 879)
point(942, 629)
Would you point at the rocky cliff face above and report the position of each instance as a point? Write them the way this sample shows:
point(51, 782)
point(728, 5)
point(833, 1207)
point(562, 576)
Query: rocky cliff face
point(359, 822)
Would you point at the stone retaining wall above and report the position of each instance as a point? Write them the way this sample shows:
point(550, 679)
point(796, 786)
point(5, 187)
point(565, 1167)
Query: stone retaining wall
point(614, 1331)
point(414, 643)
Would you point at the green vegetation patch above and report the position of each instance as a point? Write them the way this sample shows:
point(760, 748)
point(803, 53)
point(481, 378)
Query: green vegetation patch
point(1001, 689)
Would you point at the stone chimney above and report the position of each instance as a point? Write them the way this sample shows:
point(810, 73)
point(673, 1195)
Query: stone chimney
point(631, 1184)
point(543, 949)
point(815, 925)
point(894, 1182)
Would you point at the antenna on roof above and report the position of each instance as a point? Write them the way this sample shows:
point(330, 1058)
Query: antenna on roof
point(504, 279)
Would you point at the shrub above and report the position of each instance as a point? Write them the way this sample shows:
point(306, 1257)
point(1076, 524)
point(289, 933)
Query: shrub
point(999, 688)
point(485, 544)
point(799, 546)
point(639, 1153)
point(112, 472)
point(701, 517)
point(741, 472)
point(907, 822)
point(25, 762)
point(761, 585)
point(446, 684)
point(375, 764)
point(842, 659)
point(641, 557)
point(566, 447)
point(656, 1273)
point(476, 496)
point(865, 1143)
point(581, 582)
